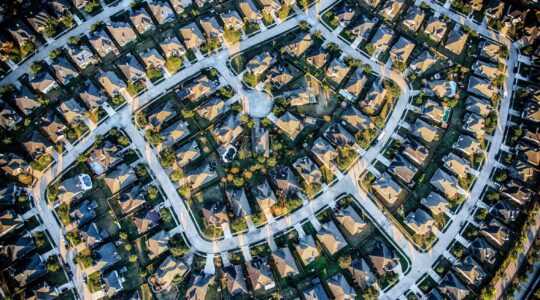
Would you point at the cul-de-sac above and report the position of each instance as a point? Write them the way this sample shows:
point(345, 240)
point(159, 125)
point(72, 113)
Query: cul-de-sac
point(269, 149)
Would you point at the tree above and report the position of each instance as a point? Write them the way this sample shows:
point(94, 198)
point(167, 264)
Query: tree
point(36, 67)
point(303, 25)
point(179, 251)
point(370, 49)
point(68, 21)
point(168, 157)
point(173, 63)
point(74, 40)
point(133, 258)
point(55, 53)
point(177, 174)
point(345, 261)
point(153, 73)
point(141, 171)
point(367, 68)
point(332, 48)
point(82, 158)
point(153, 192)
point(166, 215)
point(187, 113)
point(52, 264)
point(250, 79)
point(123, 235)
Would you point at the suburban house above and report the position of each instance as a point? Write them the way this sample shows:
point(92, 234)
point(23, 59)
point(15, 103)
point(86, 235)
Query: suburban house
point(422, 63)
point(354, 86)
point(8, 116)
point(187, 153)
point(425, 131)
point(420, 222)
point(145, 220)
point(238, 202)
point(299, 45)
point(382, 258)
point(229, 129)
point(308, 170)
point(457, 165)
point(402, 50)
point(162, 11)
point(43, 82)
point(152, 59)
point(72, 111)
point(387, 189)
point(467, 145)
point(174, 133)
point(362, 27)
point(447, 184)
point(337, 70)
point(290, 125)
point(132, 70)
point(456, 41)
point(381, 40)
point(307, 250)
point(233, 275)
point(260, 63)
point(112, 83)
point(403, 169)
point(168, 273)
point(284, 262)
point(516, 192)
point(435, 203)
point(120, 178)
point(102, 43)
point(232, 20)
point(142, 21)
point(36, 145)
point(250, 12)
point(25, 100)
point(172, 47)
point(199, 176)
point(13, 164)
point(414, 18)
point(300, 96)
point(122, 33)
point(482, 87)
point(192, 36)
point(349, 219)
point(362, 274)
point(435, 29)
point(330, 238)
point(325, 153)
point(53, 127)
point(103, 157)
point(340, 288)
point(212, 109)
point(391, 9)
point(469, 270)
point(356, 119)
point(483, 251)
point(339, 136)
point(478, 106)
point(284, 180)
point(452, 287)
point(131, 200)
point(211, 28)
point(260, 275)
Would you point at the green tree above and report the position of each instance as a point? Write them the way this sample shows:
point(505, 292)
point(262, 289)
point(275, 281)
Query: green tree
point(36, 67)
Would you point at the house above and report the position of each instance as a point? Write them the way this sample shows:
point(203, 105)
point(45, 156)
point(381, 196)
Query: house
point(200, 286)
point(145, 220)
point(161, 114)
point(43, 82)
point(381, 40)
point(8, 116)
point(482, 87)
point(337, 70)
point(478, 106)
point(446, 184)
point(53, 127)
point(9, 194)
point(142, 21)
point(162, 11)
point(103, 157)
point(199, 176)
point(374, 99)
point(105, 256)
point(441, 88)
point(452, 287)
point(229, 129)
point(92, 235)
point(362, 27)
point(316, 292)
point(187, 153)
point(169, 272)
point(72, 187)
point(278, 76)
point(132, 70)
point(172, 47)
point(308, 170)
point(122, 33)
point(456, 41)
point(9, 221)
point(483, 251)
point(531, 133)
point(330, 238)
point(38, 20)
point(422, 63)
point(318, 58)
point(261, 141)
point(112, 83)
point(157, 244)
point(435, 28)
point(120, 178)
point(356, 119)
point(491, 51)
point(232, 20)
point(197, 89)
point(44, 291)
point(470, 271)
point(391, 9)
point(420, 222)
point(64, 70)
point(467, 145)
point(325, 153)
point(402, 50)
point(361, 273)
point(350, 221)
point(344, 13)
point(260, 63)
point(180, 5)
point(214, 214)
point(238, 202)
point(414, 18)
point(300, 96)
point(13, 164)
point(425, 131)
point(84, 212)
point(19, 247)
point(72, 111)
point(372, 3)
point(174, 133)
point(192, 36)
point(285, 181)
point(131, 199)
point(523, 171)
point(531, 112)
point(486, 70)
point(152, 58)
point(233, 276)
point(403, 169)
point(260, 275)
point(112, 283)
point(271, 6)
point(457, 165)
point(101, 42)
point(354, 86)
point(339, 136)
point(433, 111)
point(212, 29)
point(307, 250)
point(28, 271)
point(290, 125)
point(505, 211)
point(250, 12)
point(495, 232)
point(435, 203)
point(516, 192)
point(36, 145)
point(386, 188)
point(415, 151)
point(340, 288)
point(25, 100)
point(284, 262)
point(299, 45)
point(82, 56)
point(382, 258)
